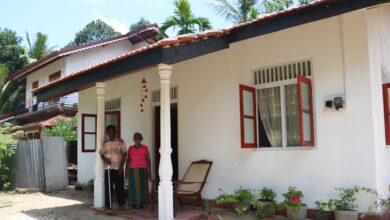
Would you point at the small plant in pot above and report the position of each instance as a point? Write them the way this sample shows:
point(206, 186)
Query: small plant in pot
point(323, 209)
point(241, 199)
point(266, 204)
point(295, 209)
point(345, 206)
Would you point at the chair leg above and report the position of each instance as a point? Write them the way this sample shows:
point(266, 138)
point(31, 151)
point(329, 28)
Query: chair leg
point(151, 203)
point(174, 205)
point(180, 202)
point(199, 200)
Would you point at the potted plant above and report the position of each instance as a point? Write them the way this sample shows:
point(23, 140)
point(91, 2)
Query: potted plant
point(266, 204)
point(323, 209)
point(295, 209)
point(241, 200)
point(345, 206)
point(78, 186)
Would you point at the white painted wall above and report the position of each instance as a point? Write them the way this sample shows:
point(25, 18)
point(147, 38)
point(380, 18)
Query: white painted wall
point(379, 44)
point(208, 112)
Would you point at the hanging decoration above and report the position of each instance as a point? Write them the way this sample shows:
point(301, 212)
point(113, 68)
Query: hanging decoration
point(144, 96)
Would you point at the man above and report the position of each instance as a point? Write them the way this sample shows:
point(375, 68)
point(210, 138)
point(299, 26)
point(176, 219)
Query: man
point(113, 154)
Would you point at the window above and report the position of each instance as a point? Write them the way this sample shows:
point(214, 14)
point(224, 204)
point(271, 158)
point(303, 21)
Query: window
point(386, 88)
point(88, 132)
point(283, 100)
point(35, 84)
point(54, 76)
point(88, 129)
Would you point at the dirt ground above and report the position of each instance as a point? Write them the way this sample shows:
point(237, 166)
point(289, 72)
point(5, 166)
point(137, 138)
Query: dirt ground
point(69, 204)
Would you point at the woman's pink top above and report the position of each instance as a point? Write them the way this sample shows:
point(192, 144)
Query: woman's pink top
point(137, 157)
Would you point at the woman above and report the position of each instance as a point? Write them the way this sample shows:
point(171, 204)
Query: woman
point(138, 172)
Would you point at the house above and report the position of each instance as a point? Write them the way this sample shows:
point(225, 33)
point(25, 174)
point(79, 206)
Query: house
point(294, 98)
point(61, 63)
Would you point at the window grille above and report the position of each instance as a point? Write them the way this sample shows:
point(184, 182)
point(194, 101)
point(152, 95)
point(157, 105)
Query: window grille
point(156, 96)
point(282, 72)
point(113, 104)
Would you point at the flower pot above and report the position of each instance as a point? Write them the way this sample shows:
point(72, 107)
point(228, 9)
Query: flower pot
point(241, 208)
point(299, 214)
point(346, 215)
point(267, 202)
point(322, 215)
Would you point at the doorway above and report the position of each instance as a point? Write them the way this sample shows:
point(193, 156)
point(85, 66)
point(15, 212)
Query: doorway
point(174, 141)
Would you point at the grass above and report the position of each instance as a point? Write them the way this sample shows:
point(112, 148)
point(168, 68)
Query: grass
point(5, 203)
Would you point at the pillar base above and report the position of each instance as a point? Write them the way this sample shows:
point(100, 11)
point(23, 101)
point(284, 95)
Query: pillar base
point(98, 193)
point(165, 207)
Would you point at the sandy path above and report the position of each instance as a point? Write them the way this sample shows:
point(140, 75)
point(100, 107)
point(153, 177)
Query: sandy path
point(63, 205)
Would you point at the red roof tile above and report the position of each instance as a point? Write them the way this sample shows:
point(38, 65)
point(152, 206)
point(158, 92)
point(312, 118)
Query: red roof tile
point(65, 52)
point(181, 39)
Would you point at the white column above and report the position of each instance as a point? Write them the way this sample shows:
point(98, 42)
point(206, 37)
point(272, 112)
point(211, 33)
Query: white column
point(98, 199)
point(165, 191)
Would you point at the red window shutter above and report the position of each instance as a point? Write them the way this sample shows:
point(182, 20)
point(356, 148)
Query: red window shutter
point(305, 107)
point(386, 88)
point(86, 135)
point(248, 117)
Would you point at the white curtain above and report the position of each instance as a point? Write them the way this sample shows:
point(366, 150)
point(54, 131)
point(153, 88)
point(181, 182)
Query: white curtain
point(292, 116)
point(270, 114)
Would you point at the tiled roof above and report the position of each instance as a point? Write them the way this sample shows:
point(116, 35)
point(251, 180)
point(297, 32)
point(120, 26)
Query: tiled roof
point(46, 123)
point(134, 35)
point(182, 39)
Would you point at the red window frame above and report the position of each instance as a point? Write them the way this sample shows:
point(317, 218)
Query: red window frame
point(303, 80)
point(242, 116)
point(35, 84)
point(386, 110)
point(83, 133)
point(83, 116)
point(54, 76)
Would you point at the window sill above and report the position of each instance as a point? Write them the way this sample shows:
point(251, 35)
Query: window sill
point(286, 148)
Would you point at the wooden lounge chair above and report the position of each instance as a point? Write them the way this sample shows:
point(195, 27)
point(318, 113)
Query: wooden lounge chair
point(190, 186)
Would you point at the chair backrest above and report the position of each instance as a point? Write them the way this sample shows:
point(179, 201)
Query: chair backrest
point(196, 172)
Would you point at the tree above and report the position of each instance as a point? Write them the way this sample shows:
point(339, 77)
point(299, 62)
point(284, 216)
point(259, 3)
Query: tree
point(12, 58)
point(277, 5)
point(7, 134)
point(142, 22)
point(94, 31)
point(184, 20)
point(63, 128)
point(238, 12)
point(38, 48)
point(304, 2)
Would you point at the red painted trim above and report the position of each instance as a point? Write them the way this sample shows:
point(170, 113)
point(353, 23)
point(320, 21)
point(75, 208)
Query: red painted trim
point(301, 79)
point(83, 116)
point(386, 111)
point(118, 114)
point(242, 116)
point(54, 76)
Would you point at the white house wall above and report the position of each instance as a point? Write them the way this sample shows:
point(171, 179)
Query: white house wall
point(379, 42)
point(208, 112)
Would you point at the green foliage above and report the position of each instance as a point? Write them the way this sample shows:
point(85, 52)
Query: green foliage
point(63, 128)
point(267, 194)
point(241, 199)
point(277, 5)
point(238, 12)
point(264, 209)
point(94, 31)
point(347, 200)
point(38, 48)
point(142, 22)
point(184, 20)
point(7, 139)
point(293, 198)
point(324, 206)
point(304, 2)
point(12, 58)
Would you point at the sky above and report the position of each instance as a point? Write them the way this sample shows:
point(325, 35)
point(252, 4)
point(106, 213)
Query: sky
point(60, 20)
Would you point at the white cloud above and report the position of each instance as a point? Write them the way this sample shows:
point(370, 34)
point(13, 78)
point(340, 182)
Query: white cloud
point(113, 22)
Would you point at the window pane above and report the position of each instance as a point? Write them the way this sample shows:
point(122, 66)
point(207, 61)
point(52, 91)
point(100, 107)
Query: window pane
point(112, 119)
point(306, 127)
point(248, 103)
point(249, 131)
point(292, 115)
point(388, 92)
point(270, 115)
point(305, 96)
point(89, 124)
point(89, 142)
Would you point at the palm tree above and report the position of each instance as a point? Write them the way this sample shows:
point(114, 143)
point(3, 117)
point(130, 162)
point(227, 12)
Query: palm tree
point(184, 20)
point(38, 48)
point(239, 12)
point(11, 94)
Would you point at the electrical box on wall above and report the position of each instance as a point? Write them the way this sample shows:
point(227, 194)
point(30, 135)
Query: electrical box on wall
point(335, 103)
